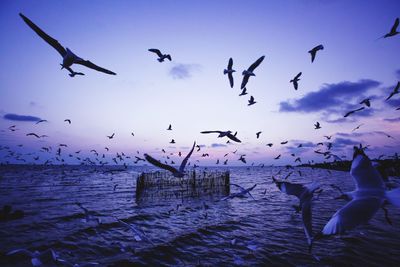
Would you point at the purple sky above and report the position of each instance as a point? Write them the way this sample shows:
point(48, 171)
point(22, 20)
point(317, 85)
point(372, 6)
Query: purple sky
point(191, 92)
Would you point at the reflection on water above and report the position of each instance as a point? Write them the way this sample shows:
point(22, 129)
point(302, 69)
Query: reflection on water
point(182, 231)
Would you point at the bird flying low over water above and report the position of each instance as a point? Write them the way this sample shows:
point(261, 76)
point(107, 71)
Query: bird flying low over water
point(161, 56)
point(230, 71)
point(368, 197)
point(314, 51)
point(295, 81)
point(223, 134)
point(250, 71)
point(305, 195)
point(175, 172)
point(69, 58)
point(353, 111)
point(394, 92)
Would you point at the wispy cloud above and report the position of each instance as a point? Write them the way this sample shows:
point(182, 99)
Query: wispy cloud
point(333, 99)
point(392, 119)
point(183, 71)
point(16, 117)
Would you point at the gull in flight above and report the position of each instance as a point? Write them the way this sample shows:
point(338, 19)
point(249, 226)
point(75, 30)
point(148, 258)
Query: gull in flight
point(251, 101)
point(317, 126)
point(314, 51)
point(175, 172)
point(250, 71)
point(223, 134)
point(393, 30)
point(243, 192)
point(367, 198)
point(137, 234)
point(295, 81)
point(305, 195)
point(244, 92)
point(367, 102)
point(353, 111)
point(161, 56)
point(394, 92)
point(69, 58)
point(230, 71)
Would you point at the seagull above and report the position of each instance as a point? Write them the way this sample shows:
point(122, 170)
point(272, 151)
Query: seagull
point(328, 137)
point(33, 134)
point(169, 128)
point(223, 134)
point(35, 256)
point(88, 216)
point(244, 92)
point(251, 101)
point(270, 144)
point(67, 120)
point(393, 30)
point(295, 80)
point(367, 102)
point(230, 71)
point(40, 121)
point(249, 72)
point(366, 199)
point(317, 126)
point(69, 58)
point(258, 134)
point(172, 141)
point(394, 92)
point(305, 195)
point(278, 157)
point(242, 159)
point(353, 111)
point(243, 192)
point(358, 127)
point(284, 142)
point(161, 56)
point(314, 51)
point(111, 136)
point(176, 173)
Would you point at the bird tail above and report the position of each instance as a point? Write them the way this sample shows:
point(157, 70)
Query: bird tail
point(394, 197)
point(225, 71)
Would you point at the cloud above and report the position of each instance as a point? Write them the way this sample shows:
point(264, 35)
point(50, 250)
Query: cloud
point(343, 142)
point(333, 99)
point(394, 102)
point(15, 117)
point(218, 145)
point(183, 71)
point(392, 119)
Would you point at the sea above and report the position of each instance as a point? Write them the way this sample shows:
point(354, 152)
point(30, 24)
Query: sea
point(113, 226)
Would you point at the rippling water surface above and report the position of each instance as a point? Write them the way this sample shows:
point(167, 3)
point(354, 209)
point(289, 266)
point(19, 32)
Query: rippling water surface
point(182, 231)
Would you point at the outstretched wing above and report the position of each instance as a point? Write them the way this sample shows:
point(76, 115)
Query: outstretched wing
point(233, 138)
point(230, 76)
point(230, 64)
point(51, 41)
point(159, 164)
point(306, 215)
point(158, 52)
point(395, 25)
point(297, 76)
point(313, 53)
point(185, 160)
point(241, 188)
point(244, 81)
point(256, 64)
point(89, 64)
point(207, 132)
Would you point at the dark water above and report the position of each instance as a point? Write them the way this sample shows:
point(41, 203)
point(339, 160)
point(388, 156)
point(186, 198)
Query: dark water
point(199, 232)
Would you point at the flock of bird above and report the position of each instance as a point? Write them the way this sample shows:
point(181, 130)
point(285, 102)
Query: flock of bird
point(370, 195)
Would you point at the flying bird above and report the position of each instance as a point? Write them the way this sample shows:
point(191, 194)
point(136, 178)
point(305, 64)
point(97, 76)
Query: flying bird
point(367, 102)
point(358, 127)
point(67, 120)
point(295, 81)
point(278, 157)
point(317, 126)
point(243, 192)
point(69, 58)
point(172, 141)
point(251, 101)
point(314, 51)
point(393, 30)
point(270, 144)
point(394, 92)
point(250, 71)
point(244, 92)
point(161, 56)
point(40, 121)
point(223, 134)
point(175, 172)
point(33, 134)
point(258, 134)
point(111, 136)
point(353, 111)
point(284, 142)
point(169, 128)
point(328, 137)
point(230, 71)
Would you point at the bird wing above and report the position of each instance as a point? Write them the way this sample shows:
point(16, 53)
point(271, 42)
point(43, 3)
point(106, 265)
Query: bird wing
point(230, 76)
point(256, 64)
point(185, 160)
point(230, 64)
point(207, 132)
point(306, 215)
point(233, 138)
point(244, 81)
point(159, 164)
point(297, 76)
point(292, 189)
point(241, 188)
point(51, 41)
point(352, 214)
point(89, 64)
point(295, 84)
point(364, 174)
point(395, 25)
point(157, 51)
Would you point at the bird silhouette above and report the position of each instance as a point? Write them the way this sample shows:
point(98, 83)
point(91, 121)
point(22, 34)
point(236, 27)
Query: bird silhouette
point(353, 111)
point(394, 92)
point(317, 125)
point(250, 71)
point(393, 30)
point(161, 56)
point(295, 81)
point(69, 58)
point(278, 157)
point(314, 51)
point(33, 134)
point(358, 127)
point(367, 102)
point(270, 144)
point(223, 134)
point(172, 141)
point(244, 92)
point(111, 136)
point(67, 120)
point(40, 121)
point(230, 71)
point(258, 134)
point(175, 172)
point(251, 101)
point(169, 128)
